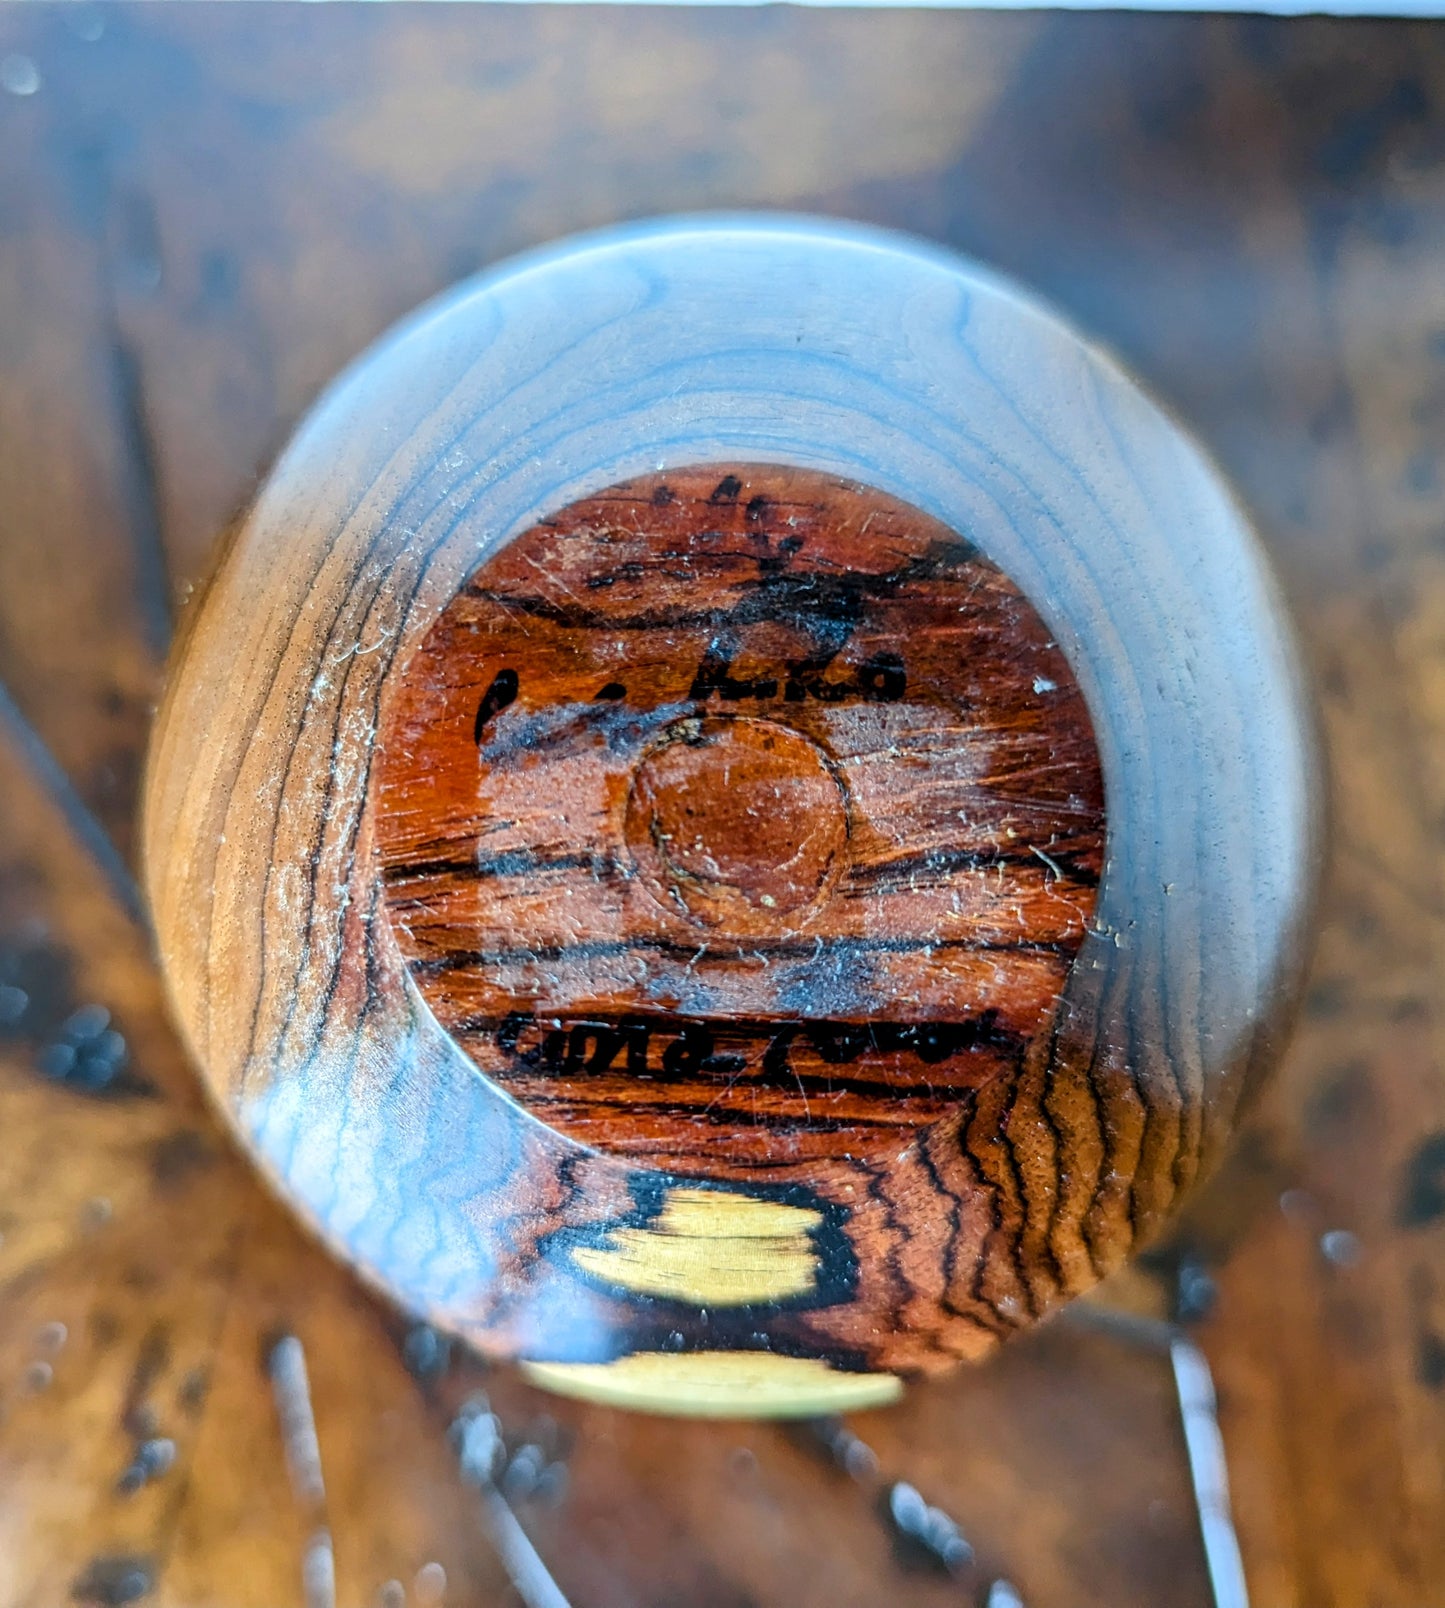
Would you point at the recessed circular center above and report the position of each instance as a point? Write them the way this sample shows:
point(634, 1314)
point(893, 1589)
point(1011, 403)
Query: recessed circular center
point(736, 819)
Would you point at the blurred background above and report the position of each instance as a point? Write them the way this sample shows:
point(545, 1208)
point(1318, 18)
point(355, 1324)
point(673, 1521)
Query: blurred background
point(204, 213)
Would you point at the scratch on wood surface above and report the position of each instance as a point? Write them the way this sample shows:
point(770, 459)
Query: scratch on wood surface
point(1208, 1472)
point(89, 834)
point(292, 1389)
point(131, 266)
point(922, 1528)
point(477, 1436)
point(140, 492)
point(1204, 1445)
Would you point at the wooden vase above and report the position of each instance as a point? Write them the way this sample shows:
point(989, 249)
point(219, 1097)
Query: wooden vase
point(739, 817)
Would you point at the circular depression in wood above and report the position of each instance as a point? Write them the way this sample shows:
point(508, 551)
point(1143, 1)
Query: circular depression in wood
point(737, 817)
point(736, 822)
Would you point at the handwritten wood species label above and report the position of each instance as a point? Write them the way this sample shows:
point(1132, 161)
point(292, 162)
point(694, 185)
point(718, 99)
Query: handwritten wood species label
point(737, 818)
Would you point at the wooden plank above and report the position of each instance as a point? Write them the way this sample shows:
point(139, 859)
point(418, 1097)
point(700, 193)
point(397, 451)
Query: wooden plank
point(1340, 1420)
point(1249, 211)
point(1329, 1419)
point(120, 1206)
point(337, 170)
point(85, 617)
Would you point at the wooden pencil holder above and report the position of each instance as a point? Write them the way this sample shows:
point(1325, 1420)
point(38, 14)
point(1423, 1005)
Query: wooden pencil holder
point(739, 817)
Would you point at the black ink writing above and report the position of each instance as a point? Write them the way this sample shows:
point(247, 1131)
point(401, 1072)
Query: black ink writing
point(881, 679)
point(647, 1047)
point(495, 699)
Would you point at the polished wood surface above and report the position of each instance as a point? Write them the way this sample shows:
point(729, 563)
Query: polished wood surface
point(205, 215)
point(797, 754)
point(689, 345)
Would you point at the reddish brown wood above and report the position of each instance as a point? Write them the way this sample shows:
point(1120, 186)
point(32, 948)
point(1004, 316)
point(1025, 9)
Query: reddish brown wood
point(1221, 199)
point(709, 1266)
point(740, 815)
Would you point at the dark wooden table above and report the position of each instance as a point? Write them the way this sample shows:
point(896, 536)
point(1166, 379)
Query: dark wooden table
point(204, 212)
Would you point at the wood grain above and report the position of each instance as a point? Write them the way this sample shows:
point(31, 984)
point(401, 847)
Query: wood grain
point(953, 394)
point(130, 1221)
point(1251, 211)
point(740, 817)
